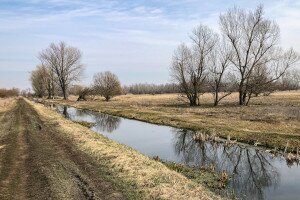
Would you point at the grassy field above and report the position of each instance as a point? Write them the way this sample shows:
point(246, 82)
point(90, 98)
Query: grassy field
point(44, 156)
point(269, 120)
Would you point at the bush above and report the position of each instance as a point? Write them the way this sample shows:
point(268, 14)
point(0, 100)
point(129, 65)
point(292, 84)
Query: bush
point(4, 93)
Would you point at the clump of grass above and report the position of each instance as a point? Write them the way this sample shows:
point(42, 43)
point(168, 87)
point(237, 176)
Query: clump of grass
point(204, 175)
point(86, 124)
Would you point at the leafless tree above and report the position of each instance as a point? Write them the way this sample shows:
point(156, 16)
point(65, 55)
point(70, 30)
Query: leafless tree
point(107, 85)
point(26, 93)
point(264, 77)
point(290, 80)
point(190, 65)
point(83, 93)
point(146, 88)
point(219, 71)
point(5, 93)
point(75, 89)
point(65, 62)
point(254, 43)
point(51, 83)
point(39, 80)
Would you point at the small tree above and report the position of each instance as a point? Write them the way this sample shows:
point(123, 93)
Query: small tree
point(107, 85)
point(190, 64)
point(39, 80)
point(83, 93)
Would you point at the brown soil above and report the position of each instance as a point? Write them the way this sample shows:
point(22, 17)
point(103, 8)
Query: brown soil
point(36, 162)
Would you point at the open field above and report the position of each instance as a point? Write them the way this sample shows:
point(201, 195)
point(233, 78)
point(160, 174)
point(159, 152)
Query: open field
point(269, 120)
point(44, 156)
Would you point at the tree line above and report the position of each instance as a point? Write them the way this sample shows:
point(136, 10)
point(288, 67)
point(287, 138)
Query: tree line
point(5, 93)
point(244, 57)
point(146, 88)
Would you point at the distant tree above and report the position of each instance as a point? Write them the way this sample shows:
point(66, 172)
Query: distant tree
point(254, 44)
point(75, 89)
point(107, 85)
point(25, 93)
point(190, 65)
point(81, 91)
point(146, 88)
point(5, 93)
point(51, 82)
point(290, 80)
point(65, 62)
point(39, 80)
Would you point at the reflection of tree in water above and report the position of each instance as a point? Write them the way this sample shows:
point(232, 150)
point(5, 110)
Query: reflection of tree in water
point(251, 169)
point(82, 113)
point(65, 112)
point(103, 122)
point(106, 122)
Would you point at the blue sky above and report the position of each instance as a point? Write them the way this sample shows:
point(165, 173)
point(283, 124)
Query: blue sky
point(134, 39)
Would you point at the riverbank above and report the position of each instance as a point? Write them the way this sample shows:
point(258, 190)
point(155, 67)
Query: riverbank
point(270, 121)
point(135, 175)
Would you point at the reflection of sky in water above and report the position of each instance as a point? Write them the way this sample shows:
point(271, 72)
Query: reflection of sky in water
point(255, 174)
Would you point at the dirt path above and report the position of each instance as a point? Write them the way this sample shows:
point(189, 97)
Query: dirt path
point(37, 163)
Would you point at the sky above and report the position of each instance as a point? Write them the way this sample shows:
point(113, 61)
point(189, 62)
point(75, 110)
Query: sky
point(134, 39)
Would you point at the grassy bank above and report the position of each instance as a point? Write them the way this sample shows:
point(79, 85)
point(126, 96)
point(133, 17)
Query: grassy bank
point(270, 120)
point(138, 176)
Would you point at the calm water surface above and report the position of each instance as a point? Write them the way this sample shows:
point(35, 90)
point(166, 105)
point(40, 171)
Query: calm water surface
point(256, 174)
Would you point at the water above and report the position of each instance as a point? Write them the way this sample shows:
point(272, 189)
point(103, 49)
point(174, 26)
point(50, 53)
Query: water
point(256, 174)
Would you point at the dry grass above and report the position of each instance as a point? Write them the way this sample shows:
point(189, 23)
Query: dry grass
point(6, 104)
point(270, 120)
point(151, 177)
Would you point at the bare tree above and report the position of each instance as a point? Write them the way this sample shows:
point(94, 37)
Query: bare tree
point(65, 62)
point(82, 92)
point(51, 83)
point(263, 78)
point(5, 93)
point(218, 71)
point(190, 65)
point(107, 85)
point(146, 88)
point(290, 80)
point(254, 43)
point(39, 80)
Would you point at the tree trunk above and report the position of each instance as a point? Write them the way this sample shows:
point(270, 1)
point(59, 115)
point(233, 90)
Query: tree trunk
point(193, 100)
point(216, 102)
point(241, 102)
point(65, 95)
point(64, 91)
point(107, 98)
point(52, 88)
point(244, 98)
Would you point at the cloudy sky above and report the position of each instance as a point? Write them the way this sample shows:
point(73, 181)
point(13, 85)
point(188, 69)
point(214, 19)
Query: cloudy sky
point(133, 38)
